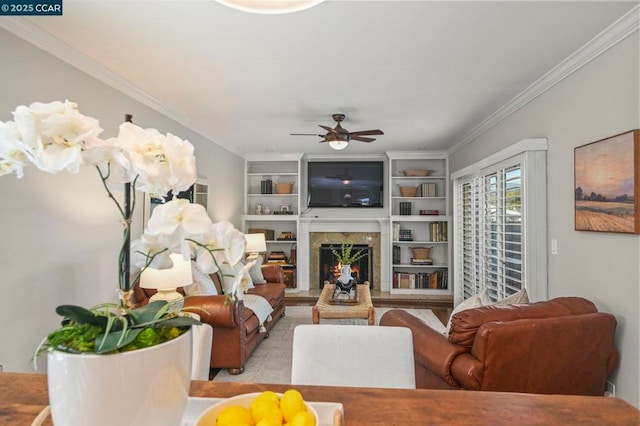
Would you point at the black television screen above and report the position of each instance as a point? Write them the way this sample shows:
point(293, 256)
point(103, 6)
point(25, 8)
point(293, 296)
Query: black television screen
point(345, 183)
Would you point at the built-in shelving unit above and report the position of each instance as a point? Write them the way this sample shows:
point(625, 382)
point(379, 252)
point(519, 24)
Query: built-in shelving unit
point(269, 208)
point(419, 220)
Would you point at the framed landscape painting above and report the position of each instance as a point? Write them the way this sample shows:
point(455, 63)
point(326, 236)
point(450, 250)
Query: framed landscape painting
point(607, 184)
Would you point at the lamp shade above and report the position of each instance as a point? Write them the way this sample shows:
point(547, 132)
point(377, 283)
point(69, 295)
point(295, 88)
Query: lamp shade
point(338, 145)
point(177, 276)
point(255, 243)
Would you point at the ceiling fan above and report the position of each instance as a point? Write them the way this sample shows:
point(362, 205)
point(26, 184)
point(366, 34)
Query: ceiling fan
point(339, 137)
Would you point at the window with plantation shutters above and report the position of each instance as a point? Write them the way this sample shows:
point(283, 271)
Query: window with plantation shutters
point(500, 228)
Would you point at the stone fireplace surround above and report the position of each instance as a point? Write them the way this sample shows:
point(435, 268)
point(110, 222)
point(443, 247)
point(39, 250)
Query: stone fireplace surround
point(317, 231)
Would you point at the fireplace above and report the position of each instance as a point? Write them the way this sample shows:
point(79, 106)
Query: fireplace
point(359, 235)
point(329, 267)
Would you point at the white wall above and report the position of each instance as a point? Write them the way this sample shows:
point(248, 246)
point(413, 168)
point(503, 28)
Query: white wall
point(60, 235)
point(600, 100)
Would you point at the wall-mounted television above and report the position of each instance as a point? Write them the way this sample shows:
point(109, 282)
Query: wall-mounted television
point(345, 183)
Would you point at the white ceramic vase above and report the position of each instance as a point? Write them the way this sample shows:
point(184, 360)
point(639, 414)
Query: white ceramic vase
point(143, 387)
point(345, 274)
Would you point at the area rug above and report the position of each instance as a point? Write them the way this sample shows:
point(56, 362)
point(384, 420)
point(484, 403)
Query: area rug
point(271, 361)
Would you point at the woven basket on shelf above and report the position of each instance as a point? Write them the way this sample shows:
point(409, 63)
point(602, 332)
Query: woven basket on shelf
point(284, 188)
point(421, 252)
point(408, 191)
point(417, 172)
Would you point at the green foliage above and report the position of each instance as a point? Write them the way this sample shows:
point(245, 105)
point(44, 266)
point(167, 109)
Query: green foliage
point(109, 328)
point(345, 255)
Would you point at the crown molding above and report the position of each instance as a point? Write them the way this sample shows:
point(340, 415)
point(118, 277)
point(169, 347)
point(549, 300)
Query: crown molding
point(609, 37)
point(46, 42)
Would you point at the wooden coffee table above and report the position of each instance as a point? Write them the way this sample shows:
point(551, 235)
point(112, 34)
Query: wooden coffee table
point(362, 309)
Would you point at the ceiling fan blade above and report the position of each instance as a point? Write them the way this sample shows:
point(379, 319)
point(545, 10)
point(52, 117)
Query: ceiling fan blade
point(305, 134)
point(327, 128)
point(367, 132)
point(324, 140)
point(361, 139)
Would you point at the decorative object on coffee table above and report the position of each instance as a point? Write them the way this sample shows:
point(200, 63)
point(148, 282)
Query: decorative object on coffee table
point(346, 257)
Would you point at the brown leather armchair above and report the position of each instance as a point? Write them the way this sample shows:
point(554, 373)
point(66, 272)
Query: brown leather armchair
point(561, 346)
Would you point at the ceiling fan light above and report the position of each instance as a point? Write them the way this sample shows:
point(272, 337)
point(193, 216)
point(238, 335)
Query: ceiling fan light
point(338, 145)
point(270, 6)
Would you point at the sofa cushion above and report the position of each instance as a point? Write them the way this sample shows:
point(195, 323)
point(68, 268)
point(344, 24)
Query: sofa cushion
point(202, 285)
point(475, 301)
point(273, 292)
point(465, 324)
point(515, 299)
point(256, 271)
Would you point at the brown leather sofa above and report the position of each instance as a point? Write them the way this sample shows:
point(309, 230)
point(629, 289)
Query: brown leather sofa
point(560, 346)
point(236, 329)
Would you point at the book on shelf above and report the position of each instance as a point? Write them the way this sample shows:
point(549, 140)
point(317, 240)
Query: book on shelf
point(405, 208)
point(421, 261)
point(396, 231)
point(405, 235)
point(438, 231)
point(421, 280)
point(396, 254)
point(266, 186)
point(426, 190)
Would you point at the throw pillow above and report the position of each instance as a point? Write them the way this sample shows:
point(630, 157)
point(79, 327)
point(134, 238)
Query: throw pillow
point(202, 284)
point(256, 271)
point(515, 299)
point(229, 272)
point(475, 301)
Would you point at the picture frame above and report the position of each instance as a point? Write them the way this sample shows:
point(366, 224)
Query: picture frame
point(607, 184)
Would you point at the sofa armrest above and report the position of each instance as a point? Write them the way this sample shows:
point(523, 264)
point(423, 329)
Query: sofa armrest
point(431, 348)
point(273, 273)
point(217, 311)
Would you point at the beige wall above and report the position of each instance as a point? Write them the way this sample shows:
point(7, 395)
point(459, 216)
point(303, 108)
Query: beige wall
point(60, 234)
point(600, 100)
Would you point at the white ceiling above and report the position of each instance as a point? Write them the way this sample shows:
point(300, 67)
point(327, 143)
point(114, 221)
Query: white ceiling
point(425, 72)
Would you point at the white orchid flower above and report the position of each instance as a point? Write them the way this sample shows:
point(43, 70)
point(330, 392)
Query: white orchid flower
point(163, 163)
point(14, 154)
point(149, 246)
point(56, 133)
point(176, 220)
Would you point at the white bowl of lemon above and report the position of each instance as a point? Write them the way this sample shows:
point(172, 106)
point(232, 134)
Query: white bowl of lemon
point(261, 409)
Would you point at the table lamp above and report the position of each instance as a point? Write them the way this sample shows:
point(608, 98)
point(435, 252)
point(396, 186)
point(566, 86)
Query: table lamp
point(255, 245)
point(167, 280)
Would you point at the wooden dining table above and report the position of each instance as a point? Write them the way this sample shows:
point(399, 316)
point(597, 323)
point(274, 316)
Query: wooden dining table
point(23, 396)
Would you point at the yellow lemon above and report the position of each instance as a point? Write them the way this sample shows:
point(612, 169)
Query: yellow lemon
point(291, 403)
point(268, 422)
point(263, 409)
point(270, 396)
point(303, 418)
point(234, 415)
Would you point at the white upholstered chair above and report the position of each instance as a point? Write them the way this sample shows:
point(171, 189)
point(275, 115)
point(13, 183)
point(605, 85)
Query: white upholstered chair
point(353, 355)
point(201, 354)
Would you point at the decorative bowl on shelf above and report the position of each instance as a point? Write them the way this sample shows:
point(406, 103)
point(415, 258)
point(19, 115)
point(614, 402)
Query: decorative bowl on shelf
point(210, 416)
point(417, 172)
